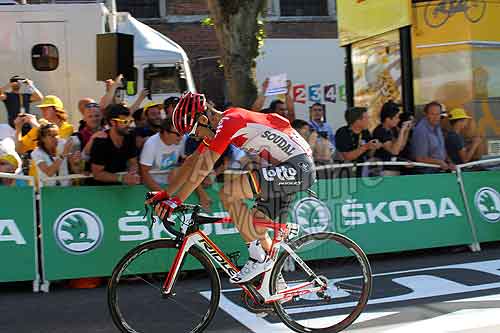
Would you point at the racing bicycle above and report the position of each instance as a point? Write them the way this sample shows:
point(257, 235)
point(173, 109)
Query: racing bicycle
point(173, 284)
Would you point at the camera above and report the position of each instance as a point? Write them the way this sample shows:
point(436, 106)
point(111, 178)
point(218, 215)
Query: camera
point(323, 134)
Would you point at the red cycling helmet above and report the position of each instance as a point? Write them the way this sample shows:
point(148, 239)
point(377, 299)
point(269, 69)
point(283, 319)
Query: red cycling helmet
point(186, 113)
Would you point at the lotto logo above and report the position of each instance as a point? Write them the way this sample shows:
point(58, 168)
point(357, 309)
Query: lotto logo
point(282, 173)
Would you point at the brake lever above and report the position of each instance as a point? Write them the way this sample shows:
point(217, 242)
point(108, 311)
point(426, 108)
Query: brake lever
point(151, 215)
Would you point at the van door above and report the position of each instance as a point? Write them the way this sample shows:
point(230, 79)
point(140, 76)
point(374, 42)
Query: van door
point(44, 58)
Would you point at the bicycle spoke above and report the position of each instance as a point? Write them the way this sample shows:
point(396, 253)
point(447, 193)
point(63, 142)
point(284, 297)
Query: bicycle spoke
point(135, 294)
point(344, 289)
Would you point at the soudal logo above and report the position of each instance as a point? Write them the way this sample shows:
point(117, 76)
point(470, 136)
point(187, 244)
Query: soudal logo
point(280, 141)
point(398, 211)
point(282, 173)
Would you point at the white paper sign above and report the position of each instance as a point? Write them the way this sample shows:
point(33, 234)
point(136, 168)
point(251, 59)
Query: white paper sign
point(277, 85)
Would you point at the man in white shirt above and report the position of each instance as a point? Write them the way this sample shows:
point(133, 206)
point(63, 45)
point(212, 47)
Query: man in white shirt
point(161, 151)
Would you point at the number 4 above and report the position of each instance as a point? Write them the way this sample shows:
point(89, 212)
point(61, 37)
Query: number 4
point(330, 93)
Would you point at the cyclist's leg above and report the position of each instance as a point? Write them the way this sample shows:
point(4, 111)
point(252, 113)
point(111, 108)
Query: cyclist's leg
point(233, 194)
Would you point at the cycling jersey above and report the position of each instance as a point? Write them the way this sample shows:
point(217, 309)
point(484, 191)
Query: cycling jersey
point(268, 135)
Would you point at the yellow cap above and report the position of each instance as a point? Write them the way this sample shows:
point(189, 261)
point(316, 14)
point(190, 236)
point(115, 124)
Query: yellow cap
point(9, 159)
point(457, 113)
point(51, 100)
point(151, 104)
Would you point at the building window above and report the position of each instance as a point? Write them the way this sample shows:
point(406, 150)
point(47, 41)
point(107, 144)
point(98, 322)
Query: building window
point(140, 8)
point(304, 8)
point(45, 57)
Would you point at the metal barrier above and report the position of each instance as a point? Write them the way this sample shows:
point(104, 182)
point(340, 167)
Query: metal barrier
point(460, 180)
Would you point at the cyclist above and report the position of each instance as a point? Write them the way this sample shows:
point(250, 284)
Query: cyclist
point(287, 167)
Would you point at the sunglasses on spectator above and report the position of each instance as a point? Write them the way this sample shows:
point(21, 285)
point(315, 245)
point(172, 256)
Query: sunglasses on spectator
point(123, 121)
point(92, 105)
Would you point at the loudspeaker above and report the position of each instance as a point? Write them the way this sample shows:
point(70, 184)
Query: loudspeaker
point(115, 55)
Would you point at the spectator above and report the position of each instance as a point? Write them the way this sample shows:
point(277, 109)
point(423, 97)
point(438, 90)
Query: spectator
point(117, 152)
point(404, 117)
point(162, 151)
point(82, 103)
point(393, 142)
point(16, 101)
point(8, 164)
point(320, 146)
point(354, 141)
point(153, 115)
point(90, 129)
point(285, 109)
point(139, 119)
point(169, 105)
point(52, 111)
point(53, 156)
point(90, 124)
point(8, 147)
point(455, 144)
point(319, 124)
point(427, 143)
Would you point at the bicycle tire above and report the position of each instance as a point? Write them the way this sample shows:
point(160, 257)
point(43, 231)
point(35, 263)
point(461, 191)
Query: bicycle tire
point(367, 278)
point(135, 253)
point(428, 11)
point(478, 17)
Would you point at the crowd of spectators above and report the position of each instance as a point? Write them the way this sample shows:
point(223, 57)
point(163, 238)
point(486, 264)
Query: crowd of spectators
point(120, 144)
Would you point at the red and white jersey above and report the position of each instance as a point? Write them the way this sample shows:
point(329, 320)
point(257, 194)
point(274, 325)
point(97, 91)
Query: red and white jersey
point(268, 135)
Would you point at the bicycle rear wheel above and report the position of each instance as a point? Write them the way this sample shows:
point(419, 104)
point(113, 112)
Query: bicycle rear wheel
point(134, 290)
point(346, 271)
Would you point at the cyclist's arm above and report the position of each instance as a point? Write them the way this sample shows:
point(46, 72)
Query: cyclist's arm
point(202, 165)
point(181, 174)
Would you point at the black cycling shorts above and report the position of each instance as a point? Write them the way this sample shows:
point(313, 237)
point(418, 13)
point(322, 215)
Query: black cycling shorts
point(276, 186)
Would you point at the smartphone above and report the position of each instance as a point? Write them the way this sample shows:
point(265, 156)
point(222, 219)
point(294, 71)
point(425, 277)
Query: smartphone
point(323, 134)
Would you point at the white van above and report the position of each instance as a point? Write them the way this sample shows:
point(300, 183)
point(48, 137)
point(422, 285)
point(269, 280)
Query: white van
point(55, 46)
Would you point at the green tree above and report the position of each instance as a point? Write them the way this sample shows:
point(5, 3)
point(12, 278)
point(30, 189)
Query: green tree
point(239, 33)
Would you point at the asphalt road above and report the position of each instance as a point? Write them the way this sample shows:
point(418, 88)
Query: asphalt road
point(433, 291)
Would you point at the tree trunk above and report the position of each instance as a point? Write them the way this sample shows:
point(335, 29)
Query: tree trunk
point(236, 27)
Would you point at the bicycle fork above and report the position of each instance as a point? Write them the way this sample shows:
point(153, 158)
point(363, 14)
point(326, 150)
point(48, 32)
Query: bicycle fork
point(314, 284)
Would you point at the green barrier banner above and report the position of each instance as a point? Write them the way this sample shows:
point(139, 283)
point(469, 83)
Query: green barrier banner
point(17, 235)
point(483, 196)
point(387, 214)
point(87, 230)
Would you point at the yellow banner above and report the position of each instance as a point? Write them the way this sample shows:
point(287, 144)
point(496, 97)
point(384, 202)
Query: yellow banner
point(361, 19)
point(448, 24)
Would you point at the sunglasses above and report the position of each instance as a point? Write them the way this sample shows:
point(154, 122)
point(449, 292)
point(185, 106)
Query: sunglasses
point(92, 105)
point(123, 121)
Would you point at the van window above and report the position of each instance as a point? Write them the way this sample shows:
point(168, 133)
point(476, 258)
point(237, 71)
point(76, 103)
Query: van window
point(45, 57)
point(161, 80)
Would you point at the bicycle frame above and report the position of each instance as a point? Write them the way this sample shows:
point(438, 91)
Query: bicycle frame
point(455, 6)
point(262, 294)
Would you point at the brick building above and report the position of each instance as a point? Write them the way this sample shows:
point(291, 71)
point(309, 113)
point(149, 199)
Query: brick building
point(180, 20)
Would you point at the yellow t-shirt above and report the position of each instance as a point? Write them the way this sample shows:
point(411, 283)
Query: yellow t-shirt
point(29, 141)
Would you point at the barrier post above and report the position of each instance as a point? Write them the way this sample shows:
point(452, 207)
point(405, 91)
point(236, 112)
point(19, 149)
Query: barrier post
point(475, 246)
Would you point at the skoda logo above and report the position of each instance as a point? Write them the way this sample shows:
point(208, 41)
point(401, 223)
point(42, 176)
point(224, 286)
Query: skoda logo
point(78, 231)
point(312, 215)
point(487, 201)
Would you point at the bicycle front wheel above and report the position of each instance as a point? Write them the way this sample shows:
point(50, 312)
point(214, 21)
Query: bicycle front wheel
point(345, 271)
point(134, 290)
